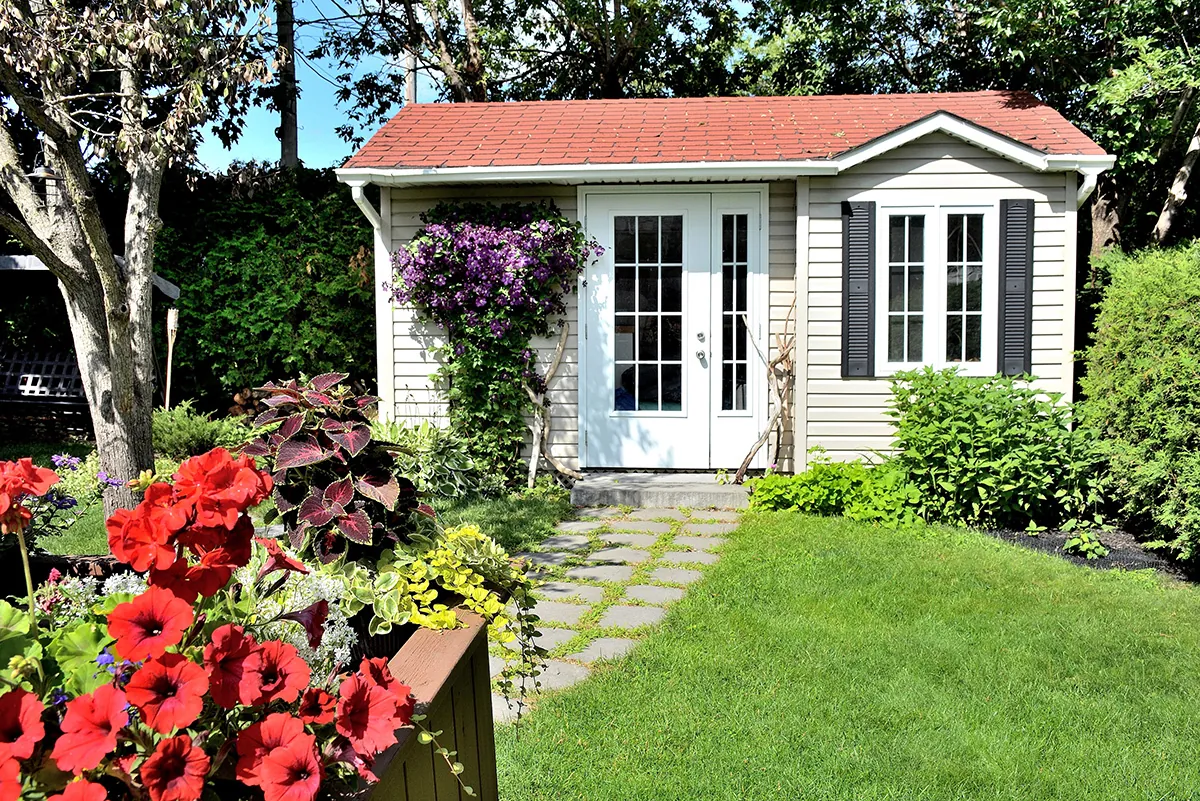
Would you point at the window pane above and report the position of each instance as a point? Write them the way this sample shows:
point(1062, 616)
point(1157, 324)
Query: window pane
point(741, 248)
point(625, 288)
point(954, 338)
point(974, 344)
point(672, 288)
point(623, 242)
point(727, 238)
point(647, 339)
point(896, 238)
point(740, 339)
point(647, 288)
point(647, 240)
point(895, 339)
point(915, 338)
point(954, 288)
point(916, 288)
point(739, 388)
point(954, 238)
point(975, 288)
point(726, 387)
point(626, 383)
point(623, 336)
point(896, 288)
point(647, 386)
point(741, 287)
point(727, 287)
point(916, 238)
point(672, 387)
point(727, 337)
point(672, 337)
point(974, 237)
point(672, 239)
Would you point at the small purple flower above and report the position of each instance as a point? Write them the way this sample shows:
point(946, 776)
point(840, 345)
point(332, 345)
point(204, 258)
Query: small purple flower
point(105, 658)
point(65, 461)
point(105, 480)
point(59, 698)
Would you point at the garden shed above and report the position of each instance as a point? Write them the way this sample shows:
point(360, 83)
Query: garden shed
point(886, 231)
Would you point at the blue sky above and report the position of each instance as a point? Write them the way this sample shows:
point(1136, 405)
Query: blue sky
point(318, 115)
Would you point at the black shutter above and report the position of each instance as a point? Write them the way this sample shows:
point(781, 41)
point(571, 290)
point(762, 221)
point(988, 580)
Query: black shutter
point(1015, 355)
point(858, 289)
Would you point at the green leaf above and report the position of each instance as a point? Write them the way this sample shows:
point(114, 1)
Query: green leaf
point(14, 622)
point(75, 650)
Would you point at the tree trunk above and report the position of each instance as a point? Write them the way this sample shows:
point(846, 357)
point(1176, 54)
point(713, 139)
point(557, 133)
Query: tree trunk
point(1177, 194)
point(286, 94)
point(1106, 217)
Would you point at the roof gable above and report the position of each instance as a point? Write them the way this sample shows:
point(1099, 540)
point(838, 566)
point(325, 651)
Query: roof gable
point(710, 131)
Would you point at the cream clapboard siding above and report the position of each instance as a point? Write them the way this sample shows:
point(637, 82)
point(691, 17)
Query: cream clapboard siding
point(846, 417)
point(416, 397)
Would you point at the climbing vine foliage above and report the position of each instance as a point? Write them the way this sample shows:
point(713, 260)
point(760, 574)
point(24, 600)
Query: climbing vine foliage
point(493, 278)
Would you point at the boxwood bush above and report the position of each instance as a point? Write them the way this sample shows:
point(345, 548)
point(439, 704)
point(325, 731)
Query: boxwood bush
point(1142, 390)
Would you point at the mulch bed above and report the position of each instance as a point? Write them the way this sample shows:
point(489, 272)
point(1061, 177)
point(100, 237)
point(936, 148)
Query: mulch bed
point(1124, 551)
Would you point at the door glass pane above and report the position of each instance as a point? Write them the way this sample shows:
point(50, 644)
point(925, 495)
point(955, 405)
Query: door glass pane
point(647, 338)
point(623, 336)
point(671, 339)
point(625, 376)
point(672, 288)
point(647, 288)
point(734, 299)
point(906, 287)
point(626, 281)
point(964, 287)
point(672, 240)
point(672, 388)
point(647, 240)
point(624, 244)
point(647, 387)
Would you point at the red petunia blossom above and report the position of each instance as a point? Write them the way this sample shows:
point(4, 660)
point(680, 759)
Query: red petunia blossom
point(365, 715)
point(21, 725)
point(169, 691)
point(189, 582)
point(312, 618)
point(342, 751)
point(149, 624)
point(10, 780)
point(139, 540)
point(19, 478)
point(316, 706)
point(163, 508)
point(219, 487)
point(259, 739)
point(292, 772)
point(81, 790)
point(233, 662)
point(282, 673)
point(90, 729)
point(277, 558)
point(378, 673)
point(175, 771)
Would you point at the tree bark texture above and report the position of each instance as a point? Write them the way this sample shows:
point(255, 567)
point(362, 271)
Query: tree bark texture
point(1177, 194)
point(1106, 217)
point(287, 93)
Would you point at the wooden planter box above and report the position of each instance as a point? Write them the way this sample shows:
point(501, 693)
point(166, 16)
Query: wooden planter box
point(449, 675)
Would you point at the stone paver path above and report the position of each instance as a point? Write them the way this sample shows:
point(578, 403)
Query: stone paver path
point(607, 580)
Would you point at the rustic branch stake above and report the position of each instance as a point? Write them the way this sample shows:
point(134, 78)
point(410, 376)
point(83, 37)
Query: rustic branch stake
point(540, 425)
point(781, 373)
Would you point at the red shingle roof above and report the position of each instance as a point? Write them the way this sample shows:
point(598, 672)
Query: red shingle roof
point(692, 130)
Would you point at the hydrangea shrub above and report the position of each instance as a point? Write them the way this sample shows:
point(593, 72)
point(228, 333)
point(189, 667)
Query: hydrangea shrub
point(493, 278)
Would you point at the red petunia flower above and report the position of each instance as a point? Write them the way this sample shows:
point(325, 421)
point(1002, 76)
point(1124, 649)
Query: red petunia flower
point(175, 771)
point(378, 673)
point(259, 739)
point(365, 714)
point(364, 765)
point(81, 790)
point(169, 691)
point(233, 662)
point(90, 729)
point(292, 772)
point(189, 582)
point(282, 673)
point(21, 725)
point(163, 508)
point(10, 780)
point(277, 559)
point(19, 478)
point(316, 706)
point(219, 487)
point(149, 624)
point(140, 540)
point(312, 618)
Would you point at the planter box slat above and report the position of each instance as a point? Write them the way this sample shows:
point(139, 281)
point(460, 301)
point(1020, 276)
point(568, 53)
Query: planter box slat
point(448, 671)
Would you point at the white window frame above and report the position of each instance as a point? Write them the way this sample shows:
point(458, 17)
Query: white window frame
point(933, 346)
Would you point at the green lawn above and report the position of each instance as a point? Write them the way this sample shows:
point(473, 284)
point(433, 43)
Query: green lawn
point(823, 659)
point(515, 521)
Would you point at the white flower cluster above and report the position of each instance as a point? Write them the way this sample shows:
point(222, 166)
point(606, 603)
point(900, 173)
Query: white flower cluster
point(74, 597)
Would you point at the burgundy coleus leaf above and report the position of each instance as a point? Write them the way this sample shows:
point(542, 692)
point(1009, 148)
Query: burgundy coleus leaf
point(291, 426)
point(314, 512)
point(339, 493)
point(365, 400)
point(426, 510)
point(300, 452)
point(272, 401)
point(326, 380)
point(266, 417)
point(286, 498)
point(318, 398)
point(328, 546)
point(408, 496)
point(296, 536)
point(351, 436)
point(380, 486)
point(256, 447)
point(356, 526)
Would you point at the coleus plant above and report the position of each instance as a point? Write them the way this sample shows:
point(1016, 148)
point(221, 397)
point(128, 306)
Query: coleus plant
point(175, 693)
point(336, 490)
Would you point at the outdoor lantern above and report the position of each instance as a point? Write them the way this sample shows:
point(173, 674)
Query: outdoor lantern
point(45, 183)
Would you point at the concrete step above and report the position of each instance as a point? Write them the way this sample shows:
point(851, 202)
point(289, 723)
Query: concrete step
point(657, 490)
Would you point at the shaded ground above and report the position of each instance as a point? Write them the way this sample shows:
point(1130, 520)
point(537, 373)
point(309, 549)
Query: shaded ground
point(1124, 551)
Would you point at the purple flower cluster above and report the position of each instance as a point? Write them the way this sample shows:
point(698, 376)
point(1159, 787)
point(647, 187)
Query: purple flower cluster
point(65, 461)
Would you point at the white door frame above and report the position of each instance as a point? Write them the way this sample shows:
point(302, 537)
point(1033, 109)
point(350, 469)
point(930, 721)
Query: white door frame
point(758, 302)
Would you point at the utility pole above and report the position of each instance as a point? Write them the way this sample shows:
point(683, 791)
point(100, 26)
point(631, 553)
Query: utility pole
point(286, 94)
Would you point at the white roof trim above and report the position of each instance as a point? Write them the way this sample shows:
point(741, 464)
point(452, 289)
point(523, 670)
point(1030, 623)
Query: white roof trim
point(942, 122)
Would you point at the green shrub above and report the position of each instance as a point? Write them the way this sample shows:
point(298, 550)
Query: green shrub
point(1142, 389)
point(181, 432)
point(1086, 544)
point(986, 452)
point(435, 460)
point(854, 489)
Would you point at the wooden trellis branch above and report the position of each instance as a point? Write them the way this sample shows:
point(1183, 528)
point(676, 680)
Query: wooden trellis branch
point(781, 374)
point(539, 426)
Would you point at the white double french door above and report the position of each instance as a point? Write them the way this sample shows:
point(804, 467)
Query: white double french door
point(672, 313)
